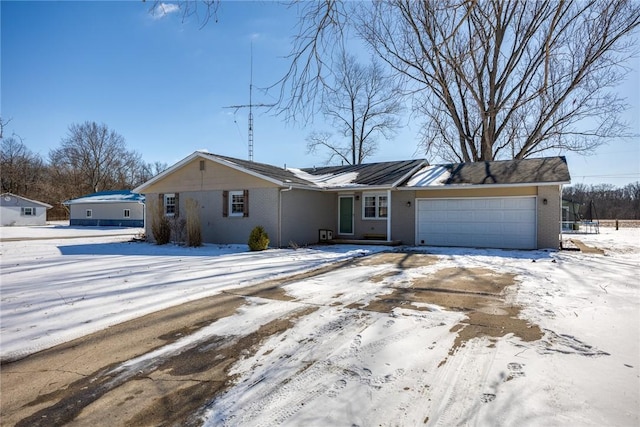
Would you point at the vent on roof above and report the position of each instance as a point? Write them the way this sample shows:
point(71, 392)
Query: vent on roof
point(201, 165)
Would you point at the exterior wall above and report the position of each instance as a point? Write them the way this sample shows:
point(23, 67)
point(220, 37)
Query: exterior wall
point(263, 210)
point(477, 192)
point(214, 177)
point(549, 216)
point(304, 213)
point(12, 215)
point(107, 214)
point(361, 226)
point(403, 217)
point(11, 211)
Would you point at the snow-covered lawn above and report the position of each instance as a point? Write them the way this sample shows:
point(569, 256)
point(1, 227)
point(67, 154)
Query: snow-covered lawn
point(341, 364)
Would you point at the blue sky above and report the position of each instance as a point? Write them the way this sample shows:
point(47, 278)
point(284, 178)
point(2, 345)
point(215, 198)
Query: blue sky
point(163, 84)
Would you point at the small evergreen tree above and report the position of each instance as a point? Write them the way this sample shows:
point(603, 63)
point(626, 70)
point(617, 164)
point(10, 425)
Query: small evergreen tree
point(258, 239)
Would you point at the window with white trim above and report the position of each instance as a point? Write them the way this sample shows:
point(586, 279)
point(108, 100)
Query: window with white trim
point(170, 204)
point(88, 213)
point(375, 206)
point(236, 203)
point(28, 211)
point(126, 213)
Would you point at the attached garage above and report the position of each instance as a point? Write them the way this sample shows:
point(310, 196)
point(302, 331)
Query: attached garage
point(487, 222)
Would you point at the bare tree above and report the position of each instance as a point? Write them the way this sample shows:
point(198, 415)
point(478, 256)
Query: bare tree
point(362, 104)
point(92, 158)
point(509, 79)
point(491, 79)
point(22, 170)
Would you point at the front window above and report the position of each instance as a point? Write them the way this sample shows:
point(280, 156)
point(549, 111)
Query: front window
point(28, 211)
point(169, 204)
point(375, 206)
point(236, 203)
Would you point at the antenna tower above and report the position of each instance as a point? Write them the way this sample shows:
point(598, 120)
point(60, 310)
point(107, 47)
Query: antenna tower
point(250, 106)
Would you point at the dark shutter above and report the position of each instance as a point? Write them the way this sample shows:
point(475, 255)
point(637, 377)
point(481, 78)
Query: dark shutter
point(245, 212)
point(225, 203)
point(177, 202)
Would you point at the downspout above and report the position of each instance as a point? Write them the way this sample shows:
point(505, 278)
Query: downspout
point(388, 215)
point(282, 190)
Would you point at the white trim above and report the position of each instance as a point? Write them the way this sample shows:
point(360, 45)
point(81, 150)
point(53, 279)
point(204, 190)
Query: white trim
point(230, 212)
point(388, 215)
point(46, 205)
point(481, 186)
point(377, 196)
point(164, 204)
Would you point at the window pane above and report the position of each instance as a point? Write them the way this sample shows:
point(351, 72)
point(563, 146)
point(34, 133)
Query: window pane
point(382, 212)
point(170, 205)
point(369, 207)
point(237, 203)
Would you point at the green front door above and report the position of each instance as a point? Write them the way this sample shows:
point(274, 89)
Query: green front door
point(345, 215)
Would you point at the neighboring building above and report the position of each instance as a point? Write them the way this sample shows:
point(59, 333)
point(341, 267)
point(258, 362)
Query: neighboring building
point(18, 210)
point(119, 208)
point(502, 204)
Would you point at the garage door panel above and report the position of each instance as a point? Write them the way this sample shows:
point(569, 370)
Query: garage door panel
point(508, 222)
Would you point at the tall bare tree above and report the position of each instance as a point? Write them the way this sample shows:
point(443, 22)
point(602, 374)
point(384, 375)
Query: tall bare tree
point(509, 79)
point(92, 158)
point(362, 104)
point(491, 79)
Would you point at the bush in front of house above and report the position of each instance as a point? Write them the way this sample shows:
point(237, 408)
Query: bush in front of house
point(161, 230)
point(194, 230)
point(160, 225)
point(258, 239)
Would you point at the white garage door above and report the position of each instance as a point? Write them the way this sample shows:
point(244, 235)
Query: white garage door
point(505, 222)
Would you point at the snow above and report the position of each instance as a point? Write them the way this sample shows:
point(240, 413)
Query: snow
point(108, 197)
point(327, 180)
point(429, 176)
point(340, 365)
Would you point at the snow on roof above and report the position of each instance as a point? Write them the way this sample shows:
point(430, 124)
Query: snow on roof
point(108, 197)
point(327, 180)
point(429, 176)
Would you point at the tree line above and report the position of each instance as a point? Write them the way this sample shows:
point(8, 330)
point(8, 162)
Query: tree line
point(605, 201)
point(91, 158)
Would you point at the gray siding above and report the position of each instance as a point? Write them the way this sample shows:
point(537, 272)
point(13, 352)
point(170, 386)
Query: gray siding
point(12, 215)
point(11, 211)
point(263, 210)
point(107, 214)
point(403, 217)
point(304, 213)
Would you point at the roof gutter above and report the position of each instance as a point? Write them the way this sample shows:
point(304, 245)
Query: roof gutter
point(477, 186)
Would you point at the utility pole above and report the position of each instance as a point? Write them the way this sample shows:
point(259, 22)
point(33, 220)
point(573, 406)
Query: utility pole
point(250, 106)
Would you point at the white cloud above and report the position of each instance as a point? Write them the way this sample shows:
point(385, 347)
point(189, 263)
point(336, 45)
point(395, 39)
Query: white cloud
point(164, 9)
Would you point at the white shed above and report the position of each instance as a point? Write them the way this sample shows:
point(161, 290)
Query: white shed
point(18, 210)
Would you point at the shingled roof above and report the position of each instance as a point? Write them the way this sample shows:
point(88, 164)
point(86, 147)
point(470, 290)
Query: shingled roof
point(414, 173)
point(282, 175)
point(370, 174)
point(523, 171)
